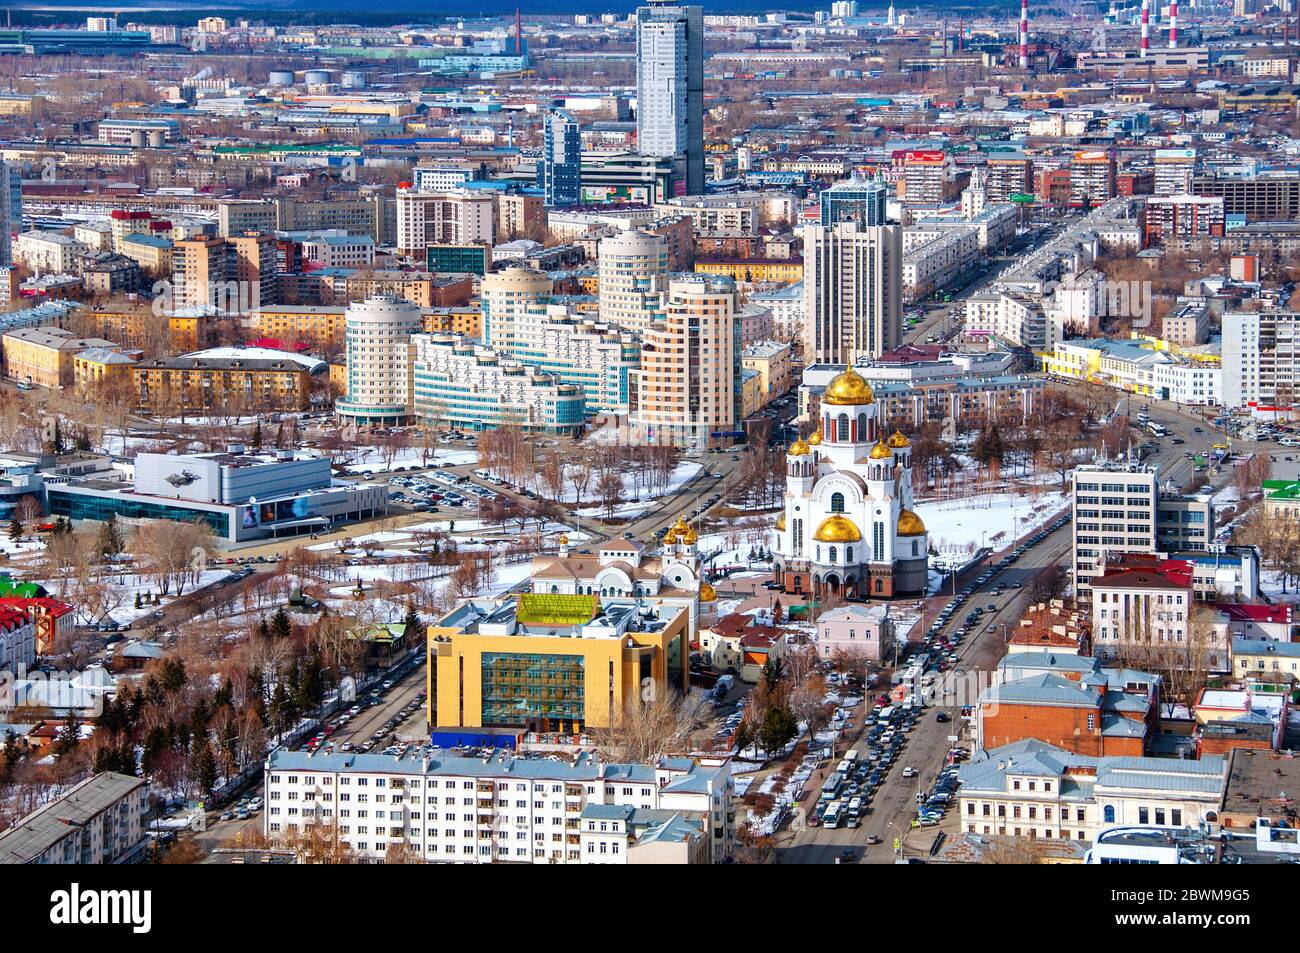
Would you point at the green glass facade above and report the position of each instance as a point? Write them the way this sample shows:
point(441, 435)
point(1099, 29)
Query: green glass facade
point(518, 688)
point(80, 506)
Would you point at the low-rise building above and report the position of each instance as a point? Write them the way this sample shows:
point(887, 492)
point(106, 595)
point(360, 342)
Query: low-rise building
point(45, 356)
point(1035, 789)
point(505, 808)
point(98, 821)
point(856, 629)
point(553, 663)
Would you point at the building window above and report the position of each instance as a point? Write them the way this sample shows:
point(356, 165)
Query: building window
point(837, 502)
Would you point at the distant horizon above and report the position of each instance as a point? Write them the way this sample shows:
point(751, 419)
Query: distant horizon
point(416, 10)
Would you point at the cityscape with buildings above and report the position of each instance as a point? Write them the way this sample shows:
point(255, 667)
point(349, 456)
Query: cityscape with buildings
point(660, 434)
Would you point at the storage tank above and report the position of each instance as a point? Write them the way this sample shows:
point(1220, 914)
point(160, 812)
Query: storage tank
point(316, 77)
point(281, 77)
point(354, 79)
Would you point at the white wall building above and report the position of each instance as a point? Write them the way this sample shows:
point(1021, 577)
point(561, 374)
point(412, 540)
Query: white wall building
point(500, 809)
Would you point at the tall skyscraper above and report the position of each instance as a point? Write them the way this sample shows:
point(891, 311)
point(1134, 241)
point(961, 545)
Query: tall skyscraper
point(855, 200)
point(559, 174)
point(670, 86)
point(853, 291)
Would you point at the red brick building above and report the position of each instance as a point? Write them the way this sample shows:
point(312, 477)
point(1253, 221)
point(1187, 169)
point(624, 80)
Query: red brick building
point(1071, 702)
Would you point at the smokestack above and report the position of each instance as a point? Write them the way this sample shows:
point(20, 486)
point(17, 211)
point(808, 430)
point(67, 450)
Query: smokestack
point(1173, 24)
point(1024, 34)
point(1145, 43)
point(519, 34)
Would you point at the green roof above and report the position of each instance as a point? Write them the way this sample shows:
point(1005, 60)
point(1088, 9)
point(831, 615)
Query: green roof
point(20, 590)
point(549, 608)
point(1282, 489)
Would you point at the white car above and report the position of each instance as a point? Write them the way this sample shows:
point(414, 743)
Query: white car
point(909, 772)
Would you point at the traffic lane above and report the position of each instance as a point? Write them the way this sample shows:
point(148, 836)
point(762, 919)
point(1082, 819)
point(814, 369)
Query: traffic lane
point(928, 743)
point(371, 718)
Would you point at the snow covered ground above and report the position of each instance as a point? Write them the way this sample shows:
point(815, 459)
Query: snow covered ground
point(120, 600)
point(992, 520)
point(372, 459)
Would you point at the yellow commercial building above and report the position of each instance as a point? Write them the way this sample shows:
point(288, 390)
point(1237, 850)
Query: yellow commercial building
point(552, 663)
point(753, 270)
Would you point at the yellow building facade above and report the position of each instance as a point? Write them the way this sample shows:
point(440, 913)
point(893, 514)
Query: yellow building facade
point(552, 663)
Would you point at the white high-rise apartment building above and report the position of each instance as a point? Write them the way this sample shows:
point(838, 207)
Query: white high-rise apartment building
point(670, 86)
point(632, 265)
point(426, 218)
point(378, 339)
point(853, 291)
point(10, 218)
point(1261, 358)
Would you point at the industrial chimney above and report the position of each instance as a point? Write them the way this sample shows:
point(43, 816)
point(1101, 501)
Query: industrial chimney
point(1024, 34)
point(1173, 24)
point(1145, 42)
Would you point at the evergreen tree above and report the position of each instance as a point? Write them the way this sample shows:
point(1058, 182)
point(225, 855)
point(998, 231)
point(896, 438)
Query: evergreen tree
point(173, 675)
point(110, 538)
point(69, 735)
point(281, 625)
point(9, 756)
point(203, 766)
point(257, 435)
point(779, 727)
point(15, 529)
point(225, 694)
point(155, 745)
point(411, 621)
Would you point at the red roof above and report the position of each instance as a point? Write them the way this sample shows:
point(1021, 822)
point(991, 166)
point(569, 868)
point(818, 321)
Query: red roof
point(1239, 612)
point(52, 607)
point(1177, 572)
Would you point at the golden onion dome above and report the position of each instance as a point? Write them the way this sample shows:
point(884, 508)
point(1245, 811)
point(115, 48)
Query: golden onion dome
point(780, 523)
point(799, 448)
point(909, 524)
point(898, 441)
point(690, 537)
point(881, 452)
point(848, 389)
point(564, 539)
point(815, 438)
point(707, 592)
point(837, 529)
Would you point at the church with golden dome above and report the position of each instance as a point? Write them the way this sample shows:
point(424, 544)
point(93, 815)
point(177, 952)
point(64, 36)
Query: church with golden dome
point(848, 525)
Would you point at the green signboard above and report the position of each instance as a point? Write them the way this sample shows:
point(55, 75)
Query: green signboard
point(1024, 198)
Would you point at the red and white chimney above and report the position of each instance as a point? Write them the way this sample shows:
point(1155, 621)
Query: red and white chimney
point(1024, 34)
point(1173, 24)
point(1145, 43)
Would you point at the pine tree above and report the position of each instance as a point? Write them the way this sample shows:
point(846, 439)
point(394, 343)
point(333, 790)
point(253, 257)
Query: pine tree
point(69, 735)
point(411, 622)
point(15, 529)
point(110, 537)
point(203, 766)
point(281, 625)
point(257, 436)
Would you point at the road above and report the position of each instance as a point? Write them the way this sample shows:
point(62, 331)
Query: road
point(942, 319)
point(894, 803)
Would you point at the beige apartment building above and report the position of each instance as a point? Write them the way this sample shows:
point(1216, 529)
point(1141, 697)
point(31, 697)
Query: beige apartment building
point(44, 356)
point(687, 390)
